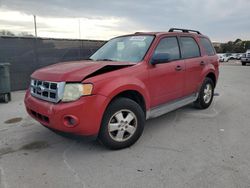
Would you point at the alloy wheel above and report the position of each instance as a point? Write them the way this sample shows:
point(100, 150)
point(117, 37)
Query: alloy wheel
point(122, 125)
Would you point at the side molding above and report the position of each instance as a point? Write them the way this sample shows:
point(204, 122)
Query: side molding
point(170, 106)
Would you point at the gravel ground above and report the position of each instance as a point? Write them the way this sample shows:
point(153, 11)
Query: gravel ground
point(185, 148)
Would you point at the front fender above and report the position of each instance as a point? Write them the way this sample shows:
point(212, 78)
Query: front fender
point(113, 87)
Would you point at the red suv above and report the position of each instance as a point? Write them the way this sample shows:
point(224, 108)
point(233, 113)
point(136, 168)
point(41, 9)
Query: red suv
point(129, 79)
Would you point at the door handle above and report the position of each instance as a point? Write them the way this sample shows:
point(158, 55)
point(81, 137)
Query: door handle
point(178, 68)
point(202, 63)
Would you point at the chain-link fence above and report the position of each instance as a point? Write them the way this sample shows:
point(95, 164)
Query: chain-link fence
point(28, 54)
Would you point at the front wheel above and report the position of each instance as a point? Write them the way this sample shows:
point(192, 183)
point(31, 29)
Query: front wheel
point(122, 124)
point(243, 64)
point(206, 94)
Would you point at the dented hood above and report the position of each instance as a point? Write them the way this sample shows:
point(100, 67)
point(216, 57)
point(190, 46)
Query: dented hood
point(76, 71)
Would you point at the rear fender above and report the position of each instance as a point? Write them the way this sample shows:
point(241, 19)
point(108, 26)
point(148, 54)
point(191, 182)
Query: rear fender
point(209, 69)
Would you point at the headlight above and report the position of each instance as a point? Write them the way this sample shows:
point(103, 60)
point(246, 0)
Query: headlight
point(73, 91)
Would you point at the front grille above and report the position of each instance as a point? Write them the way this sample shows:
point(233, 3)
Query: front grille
point(46, 90)
point(248, 55)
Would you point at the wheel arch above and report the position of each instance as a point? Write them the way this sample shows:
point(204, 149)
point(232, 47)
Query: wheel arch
point(212, 76)
point(133, 95)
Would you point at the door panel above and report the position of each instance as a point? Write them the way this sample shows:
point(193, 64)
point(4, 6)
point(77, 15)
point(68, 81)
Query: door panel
point(194, 64)
point(167, 79)
point(166, 83)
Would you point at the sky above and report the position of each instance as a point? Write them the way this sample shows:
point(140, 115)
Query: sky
point(221, 20)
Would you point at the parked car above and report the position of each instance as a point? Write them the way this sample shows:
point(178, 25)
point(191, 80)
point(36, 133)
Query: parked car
point(245, 58)
point(223, 58)
point(128, 80)
point(233, 56)
point(238, 56)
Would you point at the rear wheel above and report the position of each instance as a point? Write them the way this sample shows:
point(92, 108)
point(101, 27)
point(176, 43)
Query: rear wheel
point(243, 64)
point(122, 124)
point(206, 94)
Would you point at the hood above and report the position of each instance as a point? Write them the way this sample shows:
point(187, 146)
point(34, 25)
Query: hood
point(76, 71)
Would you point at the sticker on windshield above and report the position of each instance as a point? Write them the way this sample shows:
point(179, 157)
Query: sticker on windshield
point(138, 38)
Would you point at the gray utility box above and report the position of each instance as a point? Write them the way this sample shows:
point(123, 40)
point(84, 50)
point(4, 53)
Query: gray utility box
point(5, 95)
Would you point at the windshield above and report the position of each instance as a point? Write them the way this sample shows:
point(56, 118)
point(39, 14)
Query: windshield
point(124, 49)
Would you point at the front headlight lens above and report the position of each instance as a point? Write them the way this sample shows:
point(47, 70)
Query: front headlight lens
point(74, 91)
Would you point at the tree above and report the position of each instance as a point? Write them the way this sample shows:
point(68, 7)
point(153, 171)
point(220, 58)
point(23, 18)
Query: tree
point(238, 46)
point(25, 34)
point(237, 41)
point(9, 33)
point(6, 33)
point(247, 45)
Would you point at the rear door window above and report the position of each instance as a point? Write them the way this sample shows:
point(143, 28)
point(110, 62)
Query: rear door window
point(207, 46)
point(190, 48)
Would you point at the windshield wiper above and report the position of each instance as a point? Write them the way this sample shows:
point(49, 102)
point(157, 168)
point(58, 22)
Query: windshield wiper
point(104, 60)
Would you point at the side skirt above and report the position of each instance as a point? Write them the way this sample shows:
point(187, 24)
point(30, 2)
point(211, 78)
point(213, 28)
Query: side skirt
point(170, 106)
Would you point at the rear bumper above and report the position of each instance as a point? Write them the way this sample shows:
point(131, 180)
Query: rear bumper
point(88, 112)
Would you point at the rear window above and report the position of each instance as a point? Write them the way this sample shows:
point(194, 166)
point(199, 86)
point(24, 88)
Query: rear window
point(207, 46)
point(190, 48)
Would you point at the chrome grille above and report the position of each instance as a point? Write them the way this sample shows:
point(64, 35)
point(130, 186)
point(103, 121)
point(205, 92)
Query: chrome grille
point(46, 90)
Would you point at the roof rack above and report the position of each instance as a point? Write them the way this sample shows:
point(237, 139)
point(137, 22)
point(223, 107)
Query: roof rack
point(184, 30)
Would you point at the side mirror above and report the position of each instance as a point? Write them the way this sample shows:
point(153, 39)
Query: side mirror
point(159, 58)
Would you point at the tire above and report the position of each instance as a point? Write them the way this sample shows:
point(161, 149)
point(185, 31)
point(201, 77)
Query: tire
point(206, 94)
point(127, 119)
point(243, 64)
point(6, 98)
